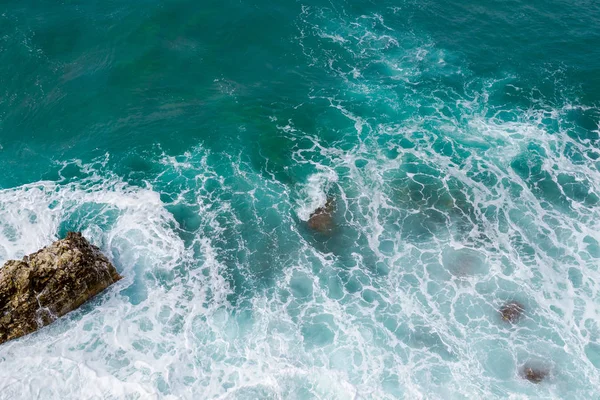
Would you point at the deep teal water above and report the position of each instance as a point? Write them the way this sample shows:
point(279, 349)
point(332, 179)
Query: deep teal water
point(192, 140)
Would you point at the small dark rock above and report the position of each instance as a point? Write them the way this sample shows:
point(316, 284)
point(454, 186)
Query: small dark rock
point(321, 220)
point(512, 311)
point(533, 374)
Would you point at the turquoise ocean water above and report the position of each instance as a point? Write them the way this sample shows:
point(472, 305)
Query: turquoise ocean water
point(191, 141)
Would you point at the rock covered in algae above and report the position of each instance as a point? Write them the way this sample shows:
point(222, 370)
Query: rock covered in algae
point(321, 220)
point(48, 284)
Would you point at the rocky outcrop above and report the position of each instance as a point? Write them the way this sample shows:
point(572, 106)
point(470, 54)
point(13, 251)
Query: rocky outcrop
point(512, 312)
point(321, 220)
point(48, 284)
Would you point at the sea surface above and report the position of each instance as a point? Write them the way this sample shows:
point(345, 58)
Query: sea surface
point(191, 141)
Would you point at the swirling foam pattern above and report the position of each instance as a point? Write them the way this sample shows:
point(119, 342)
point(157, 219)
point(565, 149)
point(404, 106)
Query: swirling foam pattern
point(192, 142)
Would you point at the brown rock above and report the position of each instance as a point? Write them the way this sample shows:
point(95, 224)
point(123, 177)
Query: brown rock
point(534, 375)
point(512, 311)
point(321, 220)
point(47, 284)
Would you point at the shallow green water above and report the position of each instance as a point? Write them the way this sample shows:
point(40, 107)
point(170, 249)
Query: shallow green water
point(191, 141)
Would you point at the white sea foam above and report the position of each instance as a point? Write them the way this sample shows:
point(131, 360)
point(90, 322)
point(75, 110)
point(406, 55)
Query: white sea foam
point(315, 191)
point(401, 303)
point(519, 228)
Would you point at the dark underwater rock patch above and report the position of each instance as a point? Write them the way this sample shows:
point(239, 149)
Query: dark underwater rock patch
point(512, 312)
point(321, 220)
point(534, 374)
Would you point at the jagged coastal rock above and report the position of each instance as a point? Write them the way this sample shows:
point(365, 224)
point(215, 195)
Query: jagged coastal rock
point(321, 220)
point(47, 284)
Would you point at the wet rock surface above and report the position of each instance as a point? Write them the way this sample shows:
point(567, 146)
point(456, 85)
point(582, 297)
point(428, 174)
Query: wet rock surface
point(512, 312)
point(534, 374)
point(321, 220)
point(48, 284)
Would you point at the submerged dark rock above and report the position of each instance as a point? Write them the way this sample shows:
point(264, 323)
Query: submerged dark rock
point(48, 284)
point(512, 311)
point(321, 220)
point(534, 374)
